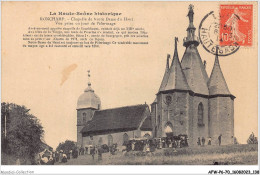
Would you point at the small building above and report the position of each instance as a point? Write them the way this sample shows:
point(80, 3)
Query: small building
point(109, 126)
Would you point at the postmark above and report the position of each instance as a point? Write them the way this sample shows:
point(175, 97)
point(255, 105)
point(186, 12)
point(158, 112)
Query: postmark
point(237, 24)
point(209, 35)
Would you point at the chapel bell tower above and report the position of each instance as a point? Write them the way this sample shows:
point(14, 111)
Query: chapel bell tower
point(87, 104)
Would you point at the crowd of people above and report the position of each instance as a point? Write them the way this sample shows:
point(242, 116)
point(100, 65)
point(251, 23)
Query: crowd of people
point(98, 150)
point(202, 141)
point(150, 145)
point(48, 157)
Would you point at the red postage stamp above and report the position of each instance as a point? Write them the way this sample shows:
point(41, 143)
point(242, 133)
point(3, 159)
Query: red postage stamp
point(236, 25)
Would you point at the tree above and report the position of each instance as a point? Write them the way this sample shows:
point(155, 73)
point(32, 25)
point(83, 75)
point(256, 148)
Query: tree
point(21, 132)
point(66, 146)
point(252, 139)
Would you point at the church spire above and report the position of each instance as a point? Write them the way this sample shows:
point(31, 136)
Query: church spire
point(176, 78)
point(165, 76)
point(191, 38)
point(217, 83)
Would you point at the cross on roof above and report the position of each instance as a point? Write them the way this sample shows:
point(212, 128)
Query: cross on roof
point(89, 78)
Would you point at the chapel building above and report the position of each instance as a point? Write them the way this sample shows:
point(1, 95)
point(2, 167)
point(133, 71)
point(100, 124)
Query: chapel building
point(96, 126)
point(190, 103)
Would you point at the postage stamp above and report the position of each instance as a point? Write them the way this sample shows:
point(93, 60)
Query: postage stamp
point(236, 24)
point(209, 35)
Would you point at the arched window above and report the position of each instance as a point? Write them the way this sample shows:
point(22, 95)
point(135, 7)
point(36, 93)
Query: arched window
point(109, 140)
point(84, 118)
point(125, 138)
point(200, 115)
point(168, 127)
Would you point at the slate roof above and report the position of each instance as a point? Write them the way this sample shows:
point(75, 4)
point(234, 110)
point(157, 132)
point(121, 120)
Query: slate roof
point(194, 71)
point(217, 83)
point(176, 77)
point(88, 99)
point(147, 124)
point(120, 119)
point(166, 75)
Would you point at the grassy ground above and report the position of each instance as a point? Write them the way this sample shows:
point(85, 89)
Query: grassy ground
point(208, 155)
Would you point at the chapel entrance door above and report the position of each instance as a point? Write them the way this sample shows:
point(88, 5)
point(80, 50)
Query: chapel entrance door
point(168, 129)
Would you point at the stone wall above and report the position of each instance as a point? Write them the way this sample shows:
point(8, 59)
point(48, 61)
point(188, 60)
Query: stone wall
point(176, 113)
point(159, 115)
point(80, 124)
point(117, 137)
point(79, 135)
point(199, 130)
point(191, 139)
point(221, 119)
point(153, 118)
point(218, 117)
point(89, 114)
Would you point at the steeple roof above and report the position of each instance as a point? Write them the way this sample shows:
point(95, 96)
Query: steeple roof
point(176, 78)
point(166, 74)
point(217, 83)
point(194, 70)
point(88, 99)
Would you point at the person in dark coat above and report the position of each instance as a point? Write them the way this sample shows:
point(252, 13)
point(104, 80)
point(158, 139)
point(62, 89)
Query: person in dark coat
point(100, 151)
point(61, 156)
point(75, 154)
point(199, 141)
point(209, 142)
point(57, 156)
point(92, 152)
point(203, 141)
point(219, 139)
point(163, 143)
point(68, 155)
point(64, 158)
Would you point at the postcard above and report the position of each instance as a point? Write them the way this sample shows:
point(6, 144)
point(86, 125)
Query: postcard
point(129, 83)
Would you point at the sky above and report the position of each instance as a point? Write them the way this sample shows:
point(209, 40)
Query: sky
point(120, 75)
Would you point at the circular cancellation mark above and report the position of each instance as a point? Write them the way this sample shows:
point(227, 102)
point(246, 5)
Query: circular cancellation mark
point(210, 37)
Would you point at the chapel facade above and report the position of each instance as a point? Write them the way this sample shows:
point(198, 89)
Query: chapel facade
point(190, 103)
